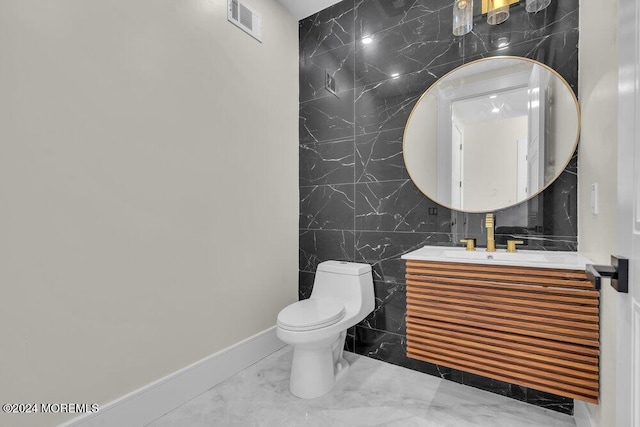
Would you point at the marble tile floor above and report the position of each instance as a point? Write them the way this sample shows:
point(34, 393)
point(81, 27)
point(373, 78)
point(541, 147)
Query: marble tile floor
point(373, 393)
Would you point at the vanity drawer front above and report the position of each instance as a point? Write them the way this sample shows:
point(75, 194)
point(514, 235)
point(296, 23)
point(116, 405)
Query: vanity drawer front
point(534, 327)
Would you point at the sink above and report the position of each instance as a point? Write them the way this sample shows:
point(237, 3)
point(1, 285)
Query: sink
point(497, 256)
point(522, 258)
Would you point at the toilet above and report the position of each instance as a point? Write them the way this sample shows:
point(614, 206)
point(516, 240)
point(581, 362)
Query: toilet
point(342, 296)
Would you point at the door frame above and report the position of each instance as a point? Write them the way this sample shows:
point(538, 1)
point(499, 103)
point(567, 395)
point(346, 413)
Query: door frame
point(628, 140)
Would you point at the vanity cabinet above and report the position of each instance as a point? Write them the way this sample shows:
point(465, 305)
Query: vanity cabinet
point(535, 327)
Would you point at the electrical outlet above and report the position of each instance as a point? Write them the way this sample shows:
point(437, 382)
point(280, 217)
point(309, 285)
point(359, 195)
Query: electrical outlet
point(330, 82)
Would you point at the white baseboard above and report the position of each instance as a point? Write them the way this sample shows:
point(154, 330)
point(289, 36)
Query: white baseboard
point(581, 414)
point(150, 402)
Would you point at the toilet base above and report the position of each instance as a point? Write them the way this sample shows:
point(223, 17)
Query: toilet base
point(317, 367)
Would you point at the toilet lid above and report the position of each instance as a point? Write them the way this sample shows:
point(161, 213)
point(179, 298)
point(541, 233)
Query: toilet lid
point(313, 313)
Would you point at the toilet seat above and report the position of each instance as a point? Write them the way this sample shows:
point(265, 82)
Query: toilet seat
point(309, 314)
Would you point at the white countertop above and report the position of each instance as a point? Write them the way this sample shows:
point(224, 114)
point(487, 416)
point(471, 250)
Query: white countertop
point(522, 258)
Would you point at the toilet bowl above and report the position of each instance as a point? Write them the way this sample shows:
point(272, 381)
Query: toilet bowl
point(342, 296)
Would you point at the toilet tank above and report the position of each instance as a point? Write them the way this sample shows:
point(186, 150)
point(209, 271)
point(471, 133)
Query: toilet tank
point(349, 282)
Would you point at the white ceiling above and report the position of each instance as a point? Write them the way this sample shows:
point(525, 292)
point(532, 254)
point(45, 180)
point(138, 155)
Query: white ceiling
point(510, 103)
point(303, 8)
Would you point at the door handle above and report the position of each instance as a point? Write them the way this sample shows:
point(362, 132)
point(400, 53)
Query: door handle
point(618, 271)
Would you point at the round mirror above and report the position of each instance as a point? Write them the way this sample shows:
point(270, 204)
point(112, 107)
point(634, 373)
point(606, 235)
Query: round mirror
point(491, 134)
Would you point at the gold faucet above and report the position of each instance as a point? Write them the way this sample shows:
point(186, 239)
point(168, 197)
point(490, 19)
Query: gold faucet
point(489, 224)
point(471, 244)
point(511, 245)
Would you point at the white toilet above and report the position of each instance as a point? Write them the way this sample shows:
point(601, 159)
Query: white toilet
point(317, 327)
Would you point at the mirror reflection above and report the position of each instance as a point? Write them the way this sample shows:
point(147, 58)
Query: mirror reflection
point(491, 134)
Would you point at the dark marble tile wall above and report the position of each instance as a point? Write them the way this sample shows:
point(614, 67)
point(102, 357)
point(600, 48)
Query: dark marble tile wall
point(357, 202)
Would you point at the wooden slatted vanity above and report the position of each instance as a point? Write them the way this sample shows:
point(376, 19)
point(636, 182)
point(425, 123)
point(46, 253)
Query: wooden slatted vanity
point(536, 326)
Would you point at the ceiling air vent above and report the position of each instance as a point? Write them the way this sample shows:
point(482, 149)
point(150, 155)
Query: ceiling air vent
point(245, 18)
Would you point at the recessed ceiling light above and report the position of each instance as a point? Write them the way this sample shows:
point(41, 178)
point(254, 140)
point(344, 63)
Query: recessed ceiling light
point(395, 75)
point(495, 110)
point(367, 40)
point(493, 96)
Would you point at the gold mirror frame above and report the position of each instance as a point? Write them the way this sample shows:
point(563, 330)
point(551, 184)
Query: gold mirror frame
point(464, 66)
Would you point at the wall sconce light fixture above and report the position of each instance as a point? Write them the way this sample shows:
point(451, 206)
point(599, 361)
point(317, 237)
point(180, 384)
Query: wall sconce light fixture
point(462, 17)
point(497, 12)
